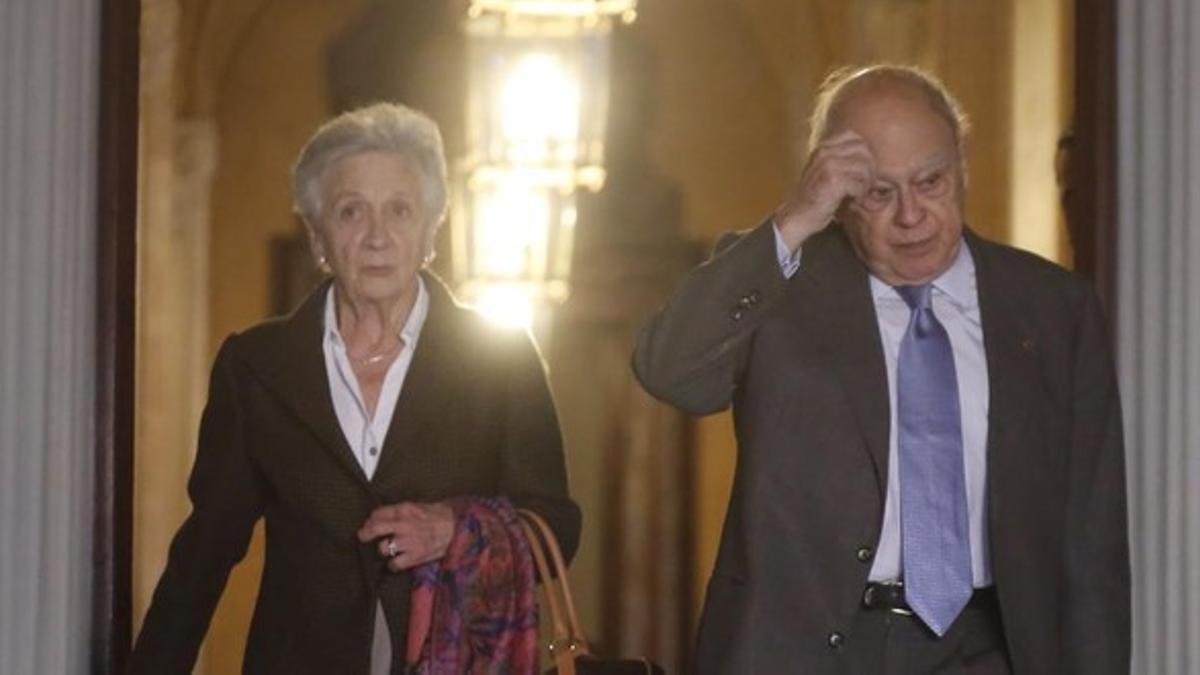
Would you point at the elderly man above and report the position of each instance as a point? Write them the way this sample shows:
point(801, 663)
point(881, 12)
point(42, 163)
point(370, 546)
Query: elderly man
point(930, 466)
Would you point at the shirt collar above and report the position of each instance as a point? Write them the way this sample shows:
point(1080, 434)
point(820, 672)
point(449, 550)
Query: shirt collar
point(958, 282)
point(411, 331)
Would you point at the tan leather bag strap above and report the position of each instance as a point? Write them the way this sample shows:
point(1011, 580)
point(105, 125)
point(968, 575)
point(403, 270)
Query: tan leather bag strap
point(560, 570)
point(539, 559)
point(569, 640)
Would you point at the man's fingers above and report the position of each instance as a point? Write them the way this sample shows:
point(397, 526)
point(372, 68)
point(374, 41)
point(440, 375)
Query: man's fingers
point(858, 182)
point(835, 178)
point(843, 137)
point(852, 156)
point(853, 148)
point(851, 167)
point(841, 166)
point(849, 155)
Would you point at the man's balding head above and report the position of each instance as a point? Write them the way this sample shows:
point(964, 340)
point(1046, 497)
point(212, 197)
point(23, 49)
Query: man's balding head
point(905, 131)
point(845, 85)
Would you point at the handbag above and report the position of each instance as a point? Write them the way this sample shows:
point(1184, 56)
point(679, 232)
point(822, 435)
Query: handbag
point(569, 648)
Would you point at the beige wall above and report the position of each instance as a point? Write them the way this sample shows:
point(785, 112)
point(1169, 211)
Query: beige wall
point(1042, 57)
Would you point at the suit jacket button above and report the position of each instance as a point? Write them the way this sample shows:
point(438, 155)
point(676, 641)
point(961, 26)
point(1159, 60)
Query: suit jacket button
point(754, 297)
point(737, 314)
point(836, 640)
point(864, 554)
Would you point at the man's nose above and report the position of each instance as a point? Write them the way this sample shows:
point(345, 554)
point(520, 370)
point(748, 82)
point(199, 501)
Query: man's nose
point(910, 212)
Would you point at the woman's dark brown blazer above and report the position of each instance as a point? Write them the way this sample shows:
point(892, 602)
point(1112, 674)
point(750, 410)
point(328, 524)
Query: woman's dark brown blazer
point(475, 417)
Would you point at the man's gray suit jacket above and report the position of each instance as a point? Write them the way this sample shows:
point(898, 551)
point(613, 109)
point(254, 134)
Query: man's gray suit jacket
point(801, 362)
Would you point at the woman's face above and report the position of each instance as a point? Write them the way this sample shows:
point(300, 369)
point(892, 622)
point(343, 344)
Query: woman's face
point(372, 226)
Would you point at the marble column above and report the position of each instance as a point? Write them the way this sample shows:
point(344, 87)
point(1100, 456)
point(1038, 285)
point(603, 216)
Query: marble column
point(1158, 325)
point(49, 87)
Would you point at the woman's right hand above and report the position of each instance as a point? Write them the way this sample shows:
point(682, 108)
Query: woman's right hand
point(410, 534)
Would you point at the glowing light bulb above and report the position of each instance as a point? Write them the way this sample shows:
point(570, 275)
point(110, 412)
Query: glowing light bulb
point(507, 305)
point(512, 230)
point(540, 102)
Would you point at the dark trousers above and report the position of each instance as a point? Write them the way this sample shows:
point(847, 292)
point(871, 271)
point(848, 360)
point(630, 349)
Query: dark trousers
point(883, 643)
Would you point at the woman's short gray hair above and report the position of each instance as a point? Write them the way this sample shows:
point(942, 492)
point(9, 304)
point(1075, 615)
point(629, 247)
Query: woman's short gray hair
point(382, 127)
point(838, 81)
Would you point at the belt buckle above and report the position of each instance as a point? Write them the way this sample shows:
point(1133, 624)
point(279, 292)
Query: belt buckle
point(869, 599)
point(900, 611)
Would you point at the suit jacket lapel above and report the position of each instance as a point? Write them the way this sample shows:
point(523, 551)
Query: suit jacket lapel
point(833, 287)
point(834, 282)
point(424, 397)
point(294, 369)
point(1012, 368)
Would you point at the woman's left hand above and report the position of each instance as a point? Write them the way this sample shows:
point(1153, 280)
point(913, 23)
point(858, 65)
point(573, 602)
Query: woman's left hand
point(410, 534)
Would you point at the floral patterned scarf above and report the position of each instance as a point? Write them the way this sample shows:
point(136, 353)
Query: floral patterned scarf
point(475, 611)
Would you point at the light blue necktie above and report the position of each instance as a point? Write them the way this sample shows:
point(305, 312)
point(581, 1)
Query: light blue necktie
point(933, 492)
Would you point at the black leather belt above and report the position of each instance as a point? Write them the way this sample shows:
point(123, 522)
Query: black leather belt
point(889, 597)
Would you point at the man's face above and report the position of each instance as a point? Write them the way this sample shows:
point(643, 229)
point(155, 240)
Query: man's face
point(907, 227)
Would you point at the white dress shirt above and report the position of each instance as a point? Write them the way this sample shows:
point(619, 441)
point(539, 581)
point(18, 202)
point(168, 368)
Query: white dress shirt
point(366, 433)
point(956, 305)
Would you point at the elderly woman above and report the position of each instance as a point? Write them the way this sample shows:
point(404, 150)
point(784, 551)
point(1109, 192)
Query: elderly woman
point(349, 425)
